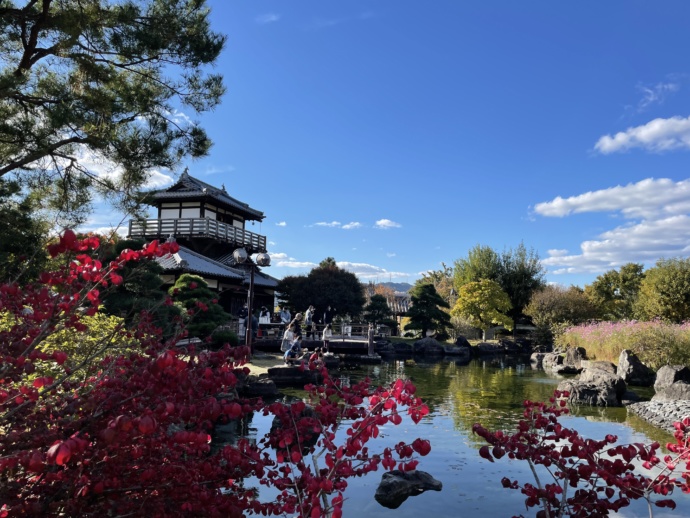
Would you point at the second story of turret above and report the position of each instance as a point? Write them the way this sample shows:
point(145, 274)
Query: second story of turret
point(200, 215)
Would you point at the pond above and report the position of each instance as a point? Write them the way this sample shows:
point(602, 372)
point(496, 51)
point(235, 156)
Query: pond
point(490, 392)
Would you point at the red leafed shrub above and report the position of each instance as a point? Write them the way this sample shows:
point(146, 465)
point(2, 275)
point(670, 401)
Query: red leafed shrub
point(575, 476)
point(130, 433)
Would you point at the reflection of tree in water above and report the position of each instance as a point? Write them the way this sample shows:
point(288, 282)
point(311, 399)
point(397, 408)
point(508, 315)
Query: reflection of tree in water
point(491, 392)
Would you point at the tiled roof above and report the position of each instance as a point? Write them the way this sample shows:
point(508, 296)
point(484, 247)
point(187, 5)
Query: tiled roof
point(192, 262)
point(190, 187)
point(189, 261)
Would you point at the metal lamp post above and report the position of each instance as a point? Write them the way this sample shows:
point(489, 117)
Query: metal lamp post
point(240, 255)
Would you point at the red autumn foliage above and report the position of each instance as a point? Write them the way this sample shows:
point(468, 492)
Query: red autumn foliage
point(582, 477)
point(133, 436)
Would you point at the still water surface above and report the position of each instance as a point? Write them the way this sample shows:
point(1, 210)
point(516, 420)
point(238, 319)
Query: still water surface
point(490, 392)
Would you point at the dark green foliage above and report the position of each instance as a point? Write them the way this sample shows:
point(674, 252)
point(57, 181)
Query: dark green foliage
point(141, 291)
point(665, 291)
point(86, 80)
point(22, 236)
point(192, 293)
point(615, 292)
point(222, 337)
point(425, 312)
point(326, 285)
point(377, 311)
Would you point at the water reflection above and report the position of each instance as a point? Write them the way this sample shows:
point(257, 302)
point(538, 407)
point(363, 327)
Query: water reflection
point(491, 392)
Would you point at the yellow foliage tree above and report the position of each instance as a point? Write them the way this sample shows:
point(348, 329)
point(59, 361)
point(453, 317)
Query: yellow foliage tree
point(484, 304)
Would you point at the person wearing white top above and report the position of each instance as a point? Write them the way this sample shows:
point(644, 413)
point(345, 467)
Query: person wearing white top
point(327, 334)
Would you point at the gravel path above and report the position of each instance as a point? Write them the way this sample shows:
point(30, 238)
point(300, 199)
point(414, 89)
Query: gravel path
point(662, 413)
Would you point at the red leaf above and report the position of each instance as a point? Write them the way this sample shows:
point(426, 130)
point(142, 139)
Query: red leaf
point(485, 453)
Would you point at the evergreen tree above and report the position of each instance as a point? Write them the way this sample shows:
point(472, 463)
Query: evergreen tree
point(426, 310)
point(204, 314)
point(85, 81)
point(377, 311)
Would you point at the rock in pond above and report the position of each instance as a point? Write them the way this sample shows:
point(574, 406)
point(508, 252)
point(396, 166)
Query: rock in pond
point(396, 486)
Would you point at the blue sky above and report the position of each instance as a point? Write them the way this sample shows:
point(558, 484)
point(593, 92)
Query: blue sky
point(396, 135)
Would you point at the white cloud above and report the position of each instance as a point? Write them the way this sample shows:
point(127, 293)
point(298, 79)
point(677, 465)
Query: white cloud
point(272, 243)
point(264, 19)
point(391, 254)
point(278, 256)
point(369, 271)
point(386, 224)
point(326, 224)
point(557, 252)
point(657, 136)
point(156, 180)
point(281, 224)
point(295, 264)
point(643, 242)
point(647, 198)
point(352, 225)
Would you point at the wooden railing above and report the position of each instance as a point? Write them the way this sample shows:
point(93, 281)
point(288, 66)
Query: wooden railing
point(197, 227)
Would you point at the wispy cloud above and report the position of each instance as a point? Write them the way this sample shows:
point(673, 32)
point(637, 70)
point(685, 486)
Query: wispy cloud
point(211, 170)
point(386, 224)
point(657, 136)
point(655, 94)
point(281, 224)
point(659, 226)
point(327, 224)
point(648, 198)
point(391, 254)
point(278, 256)
point(352, 225)
point(264, 19)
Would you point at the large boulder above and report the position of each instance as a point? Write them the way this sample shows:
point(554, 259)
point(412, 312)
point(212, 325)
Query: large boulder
point(552, 361)
point(258, 386)
point(573, 358)
point(428, 346)
point(598, 385)
point(488, 349)
point(674, 392)
point(461, 341)
point(396, 486)
point(293, 376)
point(670, 374)
point(633, 371)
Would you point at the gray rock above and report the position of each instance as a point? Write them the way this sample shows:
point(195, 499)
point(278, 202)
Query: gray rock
point(461, 341)
point(669, 374)
point(633, 371)
point(428, 346)
point(287, 375)
point(259, 387)
point(662, 413)
point(551, 361)
point(486, 349)
point(396, 486)
point(677, 390)
point(596, 386)
point(573, 358)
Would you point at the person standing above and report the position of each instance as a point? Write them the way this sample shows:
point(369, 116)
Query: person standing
point(285, 316)
point(297, 324)
point(264, 316)
point(327, 334)
point(328, 315)
point(309, 322)
point(242, 315)
point(288, 338)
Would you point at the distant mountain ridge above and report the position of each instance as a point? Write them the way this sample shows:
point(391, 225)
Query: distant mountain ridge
point(397, 286)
